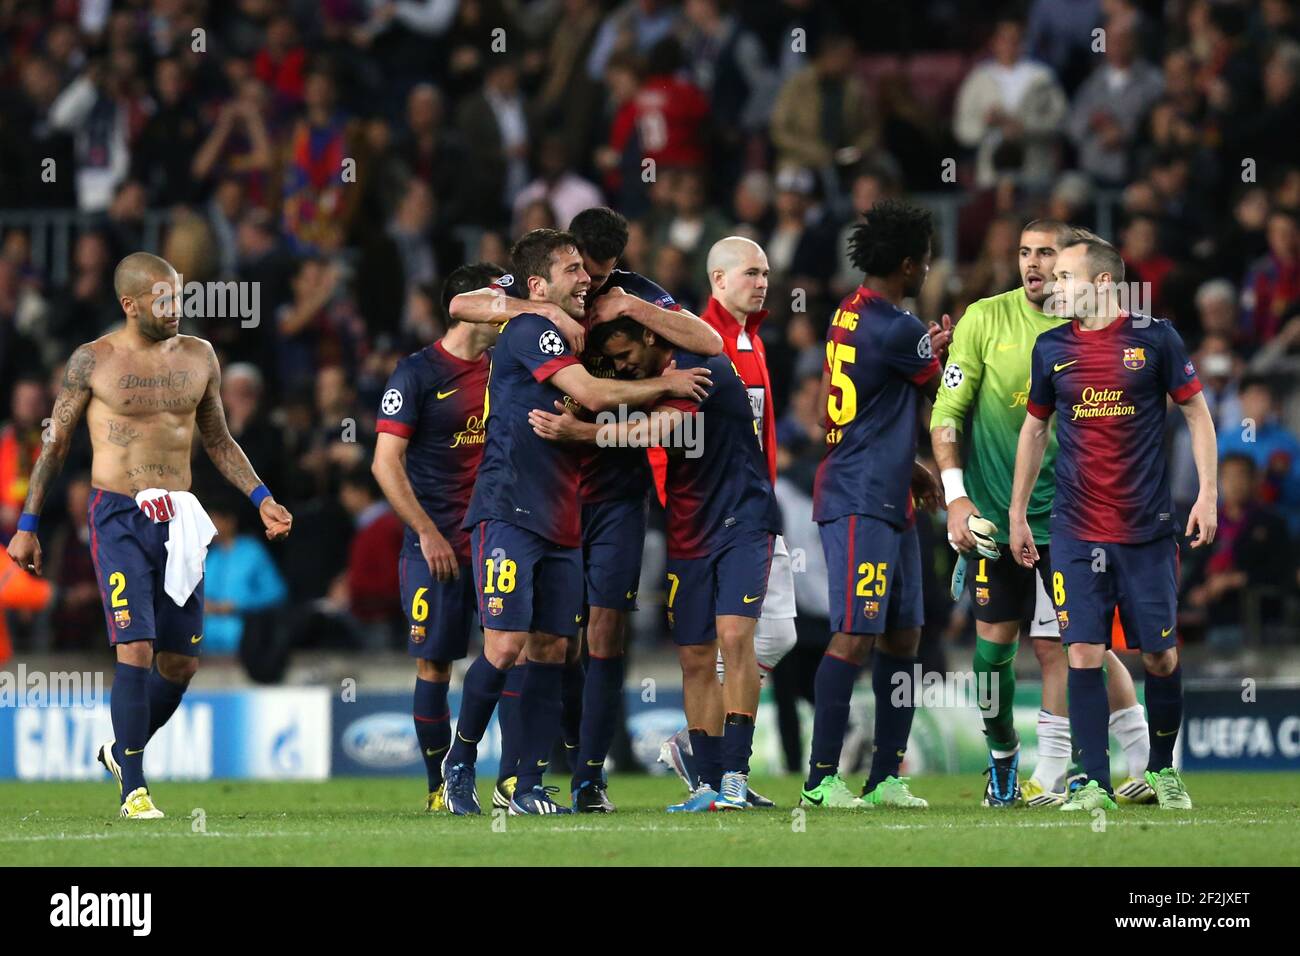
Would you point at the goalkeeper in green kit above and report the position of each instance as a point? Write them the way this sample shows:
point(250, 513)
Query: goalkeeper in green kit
point(987, 379)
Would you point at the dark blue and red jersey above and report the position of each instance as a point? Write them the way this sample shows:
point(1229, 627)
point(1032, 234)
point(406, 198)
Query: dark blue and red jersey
point(435, 401)
point(525, 480)
point(608, 473)
point(720, 487)
point(877, 356)
point(1107, 388)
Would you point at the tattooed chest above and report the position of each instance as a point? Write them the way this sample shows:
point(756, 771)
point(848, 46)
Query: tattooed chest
point(147, 390)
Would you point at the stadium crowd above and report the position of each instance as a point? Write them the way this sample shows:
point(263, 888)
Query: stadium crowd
point(346, 155)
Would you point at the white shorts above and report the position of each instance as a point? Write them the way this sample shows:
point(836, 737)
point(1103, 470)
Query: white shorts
point(1043, 623)
point(779, 603)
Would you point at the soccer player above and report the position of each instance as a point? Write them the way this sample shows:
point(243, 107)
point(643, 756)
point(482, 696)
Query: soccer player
point(722, 518)
point(427, 452)
point(880, 363)
point(144, 388)
point(1106, 375)
point(525, 521)
point(987, 378)
point(612, 486)
point(738, 276)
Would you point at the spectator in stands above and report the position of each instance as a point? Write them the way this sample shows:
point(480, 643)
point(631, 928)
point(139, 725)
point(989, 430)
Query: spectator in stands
point(239, 579)
point(801, 246)
point(318, 206)
point(632, 29)
point(1009, 111)
point(1272, 287)
point(1261, 437)
point(1249, 552)
point(165, 149)
point(669, 114)
point(281, 64)
point(557, 185)
point(319, 327)
point(411, 232)
point(1219, 370)
point(77, 621)
point(494, 126)
point(372, 584)
point(20, 446)
point(95, 110)
point(822, 118)
point(751, 205)
point(692, 226)
point(1108, 108)
point(1145, 263)
point(240, 143)
point(1060, 34)
point(432, 152)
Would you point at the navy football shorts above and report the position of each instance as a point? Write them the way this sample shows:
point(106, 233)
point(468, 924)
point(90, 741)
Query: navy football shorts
point(873, 575)
point(129, 552)
point(731, 580)
point(525, 582)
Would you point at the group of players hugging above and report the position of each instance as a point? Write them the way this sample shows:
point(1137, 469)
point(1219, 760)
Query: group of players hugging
point(526, 512)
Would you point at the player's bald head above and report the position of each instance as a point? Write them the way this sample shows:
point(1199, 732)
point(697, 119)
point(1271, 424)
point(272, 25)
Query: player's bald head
point(733, 252)
point(137, 274)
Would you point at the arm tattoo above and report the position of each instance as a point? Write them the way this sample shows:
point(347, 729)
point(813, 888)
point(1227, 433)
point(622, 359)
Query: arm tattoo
point(73, 398)
point(224, 451)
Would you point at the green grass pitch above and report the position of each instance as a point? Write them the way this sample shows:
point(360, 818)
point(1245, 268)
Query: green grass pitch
point(1240, 819)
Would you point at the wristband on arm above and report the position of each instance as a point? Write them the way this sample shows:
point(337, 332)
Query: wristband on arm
point(29, 522)
point(257, 495)
point(953, 485)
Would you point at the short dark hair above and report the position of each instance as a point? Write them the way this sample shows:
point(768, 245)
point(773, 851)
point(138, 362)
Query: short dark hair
point(1240, 458)
point(623, 325)
point(1257, 381)
point(601, 233)
point(1063, 231)
point(1101, 257)
point(890, 231)
point(467, 278)
point(532, 254)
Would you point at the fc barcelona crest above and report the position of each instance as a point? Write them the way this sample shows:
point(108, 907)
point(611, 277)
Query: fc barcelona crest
point(981, 596)
point(871, 609)
point(122, 618)
point(417, 633)
point(495, 606)
point(1135, 358)
point(1063, 619)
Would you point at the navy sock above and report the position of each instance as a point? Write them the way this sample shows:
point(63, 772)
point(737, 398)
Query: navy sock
point(539, 714)
point(508, 719)
point(599, 716)
point(129, 706)
point(1164, 697)
point(432, 727)
point(575, 676)
point(832, 690)
point(708, 758)
point(1090, 723)
point(893, 724)
point(478, 697)
point(737, 743)
point(164, 697)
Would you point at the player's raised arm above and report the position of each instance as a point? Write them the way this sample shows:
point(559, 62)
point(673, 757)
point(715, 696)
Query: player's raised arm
point(229, 458)
point(684, 329)
point(491, 306)
point(958, 387)
point(74, 396)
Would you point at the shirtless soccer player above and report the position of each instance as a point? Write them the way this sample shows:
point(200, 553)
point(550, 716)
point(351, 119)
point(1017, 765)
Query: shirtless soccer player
point(143, 389)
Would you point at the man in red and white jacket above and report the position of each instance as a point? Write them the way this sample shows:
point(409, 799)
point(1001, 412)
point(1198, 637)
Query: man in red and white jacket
point(738, 273)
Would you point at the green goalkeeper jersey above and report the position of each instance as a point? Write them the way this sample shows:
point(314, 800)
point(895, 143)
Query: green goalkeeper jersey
point(988, 374)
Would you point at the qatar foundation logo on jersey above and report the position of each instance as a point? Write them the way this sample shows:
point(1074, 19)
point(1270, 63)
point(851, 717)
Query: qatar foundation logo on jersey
point(550, 343)
point(391, 403)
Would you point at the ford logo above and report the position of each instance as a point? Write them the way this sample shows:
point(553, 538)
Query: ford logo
point(383, 741)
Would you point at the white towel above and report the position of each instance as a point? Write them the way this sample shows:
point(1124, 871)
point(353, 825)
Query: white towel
point(188, 535)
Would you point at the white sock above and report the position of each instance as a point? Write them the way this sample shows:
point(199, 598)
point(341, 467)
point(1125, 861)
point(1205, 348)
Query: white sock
point(1053, 751)
point(1129, 727)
